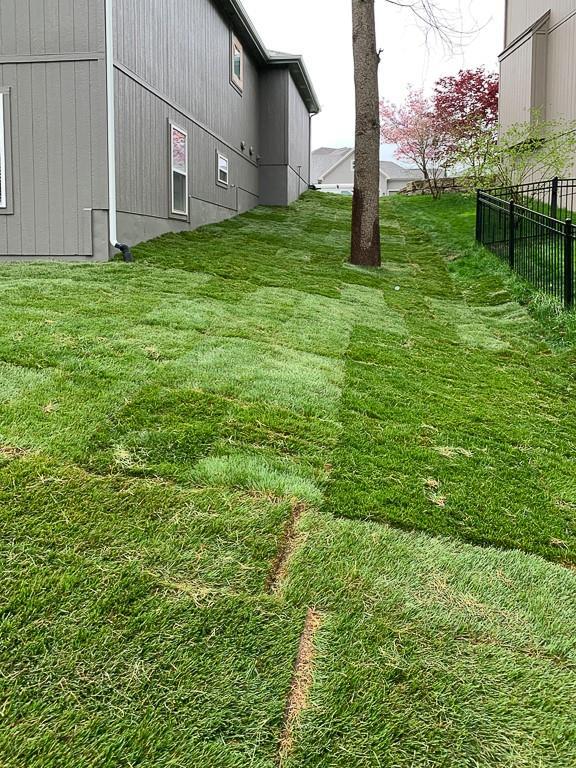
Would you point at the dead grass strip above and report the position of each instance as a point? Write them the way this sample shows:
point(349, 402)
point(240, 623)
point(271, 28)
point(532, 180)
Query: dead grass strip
point(301, 683)
point(10, 452)
point(288, 544)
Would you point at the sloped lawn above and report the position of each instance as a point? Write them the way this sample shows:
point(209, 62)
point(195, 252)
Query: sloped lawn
point(262, 508)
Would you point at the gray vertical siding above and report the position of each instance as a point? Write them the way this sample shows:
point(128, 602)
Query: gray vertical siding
point(561, 92)
point(50, 27)
point(298, 144)
point(173, 63)
point(182, 49)
point(143, 162)
point(274, 131)
point(274, 117)
point(285, 131)
point(52, 60)
point(516, 86)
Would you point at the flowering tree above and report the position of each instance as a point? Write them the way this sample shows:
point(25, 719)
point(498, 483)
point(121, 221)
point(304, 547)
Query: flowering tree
point(420, 137)
point(457, 127)
point(467, 105)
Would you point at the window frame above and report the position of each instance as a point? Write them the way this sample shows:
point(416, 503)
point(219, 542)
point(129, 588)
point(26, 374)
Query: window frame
point(235, 80)
point(6, 198)
point(174, 213)
point(219, 182)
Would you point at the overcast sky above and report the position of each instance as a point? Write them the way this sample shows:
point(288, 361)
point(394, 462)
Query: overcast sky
point(321, 30)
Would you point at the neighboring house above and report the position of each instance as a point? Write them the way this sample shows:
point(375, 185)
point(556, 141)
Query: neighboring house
point(538, 65)
point(120, 121)
point(332, 170)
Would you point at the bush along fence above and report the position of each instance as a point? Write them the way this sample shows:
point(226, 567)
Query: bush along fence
point(530, 226)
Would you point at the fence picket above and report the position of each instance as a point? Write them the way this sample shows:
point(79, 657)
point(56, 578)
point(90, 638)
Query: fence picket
point(515, 223)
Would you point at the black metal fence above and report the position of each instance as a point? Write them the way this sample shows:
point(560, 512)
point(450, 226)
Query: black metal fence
point(555, 198)
point(516, 223)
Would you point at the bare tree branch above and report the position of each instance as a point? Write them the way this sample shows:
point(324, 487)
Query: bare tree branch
point(435, 20)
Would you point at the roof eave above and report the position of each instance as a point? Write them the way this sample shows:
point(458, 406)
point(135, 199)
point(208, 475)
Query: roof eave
point(301, 77)
point(244, 27)
point(537, 26)
point(239, 18)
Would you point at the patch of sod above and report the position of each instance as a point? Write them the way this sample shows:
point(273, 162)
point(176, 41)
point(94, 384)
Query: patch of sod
point(159, 425)
point(61, 515)
point(132, 675)
point(483, 278)
point(462, 426)
point(134, 628)
point(433, 653)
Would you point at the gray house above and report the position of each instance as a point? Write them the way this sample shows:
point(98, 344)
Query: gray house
point(121, 120)
point(332, 170)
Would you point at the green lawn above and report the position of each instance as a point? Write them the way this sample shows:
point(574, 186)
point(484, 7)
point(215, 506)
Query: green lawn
point(260, 508)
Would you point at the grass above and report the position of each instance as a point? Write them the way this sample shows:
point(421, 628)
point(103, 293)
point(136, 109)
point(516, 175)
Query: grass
point(166, 427)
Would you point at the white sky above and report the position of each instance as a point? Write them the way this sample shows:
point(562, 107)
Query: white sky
point(321, 30)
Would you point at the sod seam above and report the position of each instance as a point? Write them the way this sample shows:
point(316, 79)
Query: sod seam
point(302, 680)
point(287, 547)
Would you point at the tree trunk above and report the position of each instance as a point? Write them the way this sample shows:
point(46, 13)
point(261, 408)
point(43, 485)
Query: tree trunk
point(366, 202)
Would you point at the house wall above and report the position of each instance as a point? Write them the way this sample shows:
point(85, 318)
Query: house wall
point(344, 174)
point(539, 73)
point(561, 79)
point(275, 136)
point(285, 132)
point(52, 65)
point(516, 86)
point(520, 14)
point(396, 185)
point(172, 63)
point(298, 143)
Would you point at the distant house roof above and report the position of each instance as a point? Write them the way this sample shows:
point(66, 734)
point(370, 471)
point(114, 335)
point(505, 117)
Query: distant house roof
point(397, 172)
point(327, 158)
point(246, 31)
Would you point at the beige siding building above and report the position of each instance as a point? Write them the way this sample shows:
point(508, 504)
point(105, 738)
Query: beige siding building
point(538, 65)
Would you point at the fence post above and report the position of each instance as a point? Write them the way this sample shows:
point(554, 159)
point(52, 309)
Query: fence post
point(568, 264)
point(478, 217)
point(511, 233)
point(554, 198)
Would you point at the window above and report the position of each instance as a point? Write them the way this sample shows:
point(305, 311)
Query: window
point(179, 181)
point(237, 64)
point(221, 170)
point(3, 178)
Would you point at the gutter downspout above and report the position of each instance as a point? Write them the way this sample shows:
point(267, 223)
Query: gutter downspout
point(112, 206)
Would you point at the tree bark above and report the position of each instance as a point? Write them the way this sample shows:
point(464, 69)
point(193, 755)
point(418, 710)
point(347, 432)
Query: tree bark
point(366, 201)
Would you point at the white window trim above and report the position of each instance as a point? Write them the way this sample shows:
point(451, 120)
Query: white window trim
point(219, 181)
point(173, 211)
point(237, 82)
point(4, 188)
